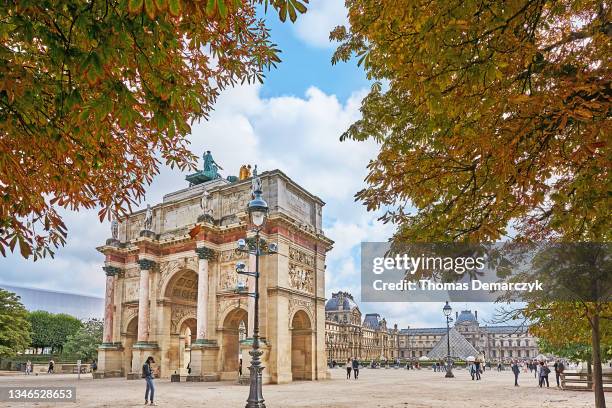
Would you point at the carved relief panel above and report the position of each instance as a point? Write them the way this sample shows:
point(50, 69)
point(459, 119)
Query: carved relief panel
point(130, 292)
point(301, 270)
point(228, 278)
point(235, 202)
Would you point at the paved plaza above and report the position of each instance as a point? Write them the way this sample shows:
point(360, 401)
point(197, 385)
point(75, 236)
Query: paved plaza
point(374, 388)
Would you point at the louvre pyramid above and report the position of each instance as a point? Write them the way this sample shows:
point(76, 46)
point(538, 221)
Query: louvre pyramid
point(459, 347)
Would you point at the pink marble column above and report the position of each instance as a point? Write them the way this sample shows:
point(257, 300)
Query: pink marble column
point(202, 315)
point(251, 300)
point(109, 306)
point(143, 300)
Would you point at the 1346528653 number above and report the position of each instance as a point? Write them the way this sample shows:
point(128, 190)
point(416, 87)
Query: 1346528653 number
point(37, 394)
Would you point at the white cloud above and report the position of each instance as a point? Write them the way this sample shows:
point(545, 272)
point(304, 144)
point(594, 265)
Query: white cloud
point(322, 16)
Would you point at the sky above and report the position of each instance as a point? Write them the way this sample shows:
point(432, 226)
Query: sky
point(292, 122)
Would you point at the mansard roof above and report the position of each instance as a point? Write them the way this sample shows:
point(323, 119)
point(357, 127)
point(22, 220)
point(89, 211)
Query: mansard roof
point(466, 316)
point(341, 301)
point(372, 320)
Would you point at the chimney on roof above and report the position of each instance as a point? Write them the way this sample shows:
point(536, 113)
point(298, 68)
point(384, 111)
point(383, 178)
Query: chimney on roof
point(476, 314)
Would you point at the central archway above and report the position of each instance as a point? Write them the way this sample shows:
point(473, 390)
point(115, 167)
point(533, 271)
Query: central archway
point(234, 326)
point(180, 302)
point(301, 346)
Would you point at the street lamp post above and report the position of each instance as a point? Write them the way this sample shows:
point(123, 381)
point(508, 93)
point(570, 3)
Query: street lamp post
point(447, 312)
point(258, 212)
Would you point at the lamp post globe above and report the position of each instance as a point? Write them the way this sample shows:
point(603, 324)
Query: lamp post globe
point(258, 209)
point(447, 309)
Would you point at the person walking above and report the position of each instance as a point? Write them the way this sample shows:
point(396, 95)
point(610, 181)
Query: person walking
point(28, 368)
point(355, 368)
point(472, 370)
point(349, 367)
point(516, 370)
point(94, 366)
point(559, 368)
point(544, 371)
point(51, 368)
point(147, 374)
point(239, 368)
point(477, 369)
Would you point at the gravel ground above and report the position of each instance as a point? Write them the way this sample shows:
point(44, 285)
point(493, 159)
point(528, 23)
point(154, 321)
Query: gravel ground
point(374, 388)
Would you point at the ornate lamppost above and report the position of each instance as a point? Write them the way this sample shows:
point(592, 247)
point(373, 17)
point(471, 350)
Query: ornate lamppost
point(258, 212)
point(447, 312)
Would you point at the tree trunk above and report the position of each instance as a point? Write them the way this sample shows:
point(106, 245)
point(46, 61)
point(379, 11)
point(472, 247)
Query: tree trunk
point(600, 399)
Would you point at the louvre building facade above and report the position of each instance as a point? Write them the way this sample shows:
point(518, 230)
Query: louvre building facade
point(349, 334)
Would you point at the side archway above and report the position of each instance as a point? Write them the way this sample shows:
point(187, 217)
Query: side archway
point(233, 328)
point(301, 346)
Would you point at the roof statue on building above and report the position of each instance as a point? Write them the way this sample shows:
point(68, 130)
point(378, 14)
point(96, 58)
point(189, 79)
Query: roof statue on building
point(114, 228)
point(245, 172)
point(147, 225)
point(210, 171)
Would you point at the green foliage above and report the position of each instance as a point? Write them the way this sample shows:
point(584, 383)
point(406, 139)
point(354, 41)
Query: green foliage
point(52, 330)
point(84, 343)
point(14, 325)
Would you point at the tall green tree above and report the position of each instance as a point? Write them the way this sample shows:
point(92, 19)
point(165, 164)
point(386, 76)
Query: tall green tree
point(84, 343)
point(41, 326)
point(52, 330)
point(93, 93)
point(490, 116)
point(14, 325)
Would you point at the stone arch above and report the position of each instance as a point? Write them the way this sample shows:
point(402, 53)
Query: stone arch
point(225, 309)
point(301, 346)
point(233, 320)
point(294, 312)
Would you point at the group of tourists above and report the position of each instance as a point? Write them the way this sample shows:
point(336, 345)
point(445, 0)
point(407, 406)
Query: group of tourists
point(352, 364)
point(540, 371)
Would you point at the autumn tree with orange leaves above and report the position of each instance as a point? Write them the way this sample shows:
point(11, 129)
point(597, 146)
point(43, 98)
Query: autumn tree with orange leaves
point(91, 91)
point(493, 120)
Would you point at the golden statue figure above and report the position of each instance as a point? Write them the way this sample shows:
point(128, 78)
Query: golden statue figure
point(245, 172)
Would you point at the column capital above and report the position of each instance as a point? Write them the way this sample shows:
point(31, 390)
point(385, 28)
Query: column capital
point(146, 264)
point(205, 253)
point(111, 270)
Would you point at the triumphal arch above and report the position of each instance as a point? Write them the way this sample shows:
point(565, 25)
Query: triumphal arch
point(172, 291)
